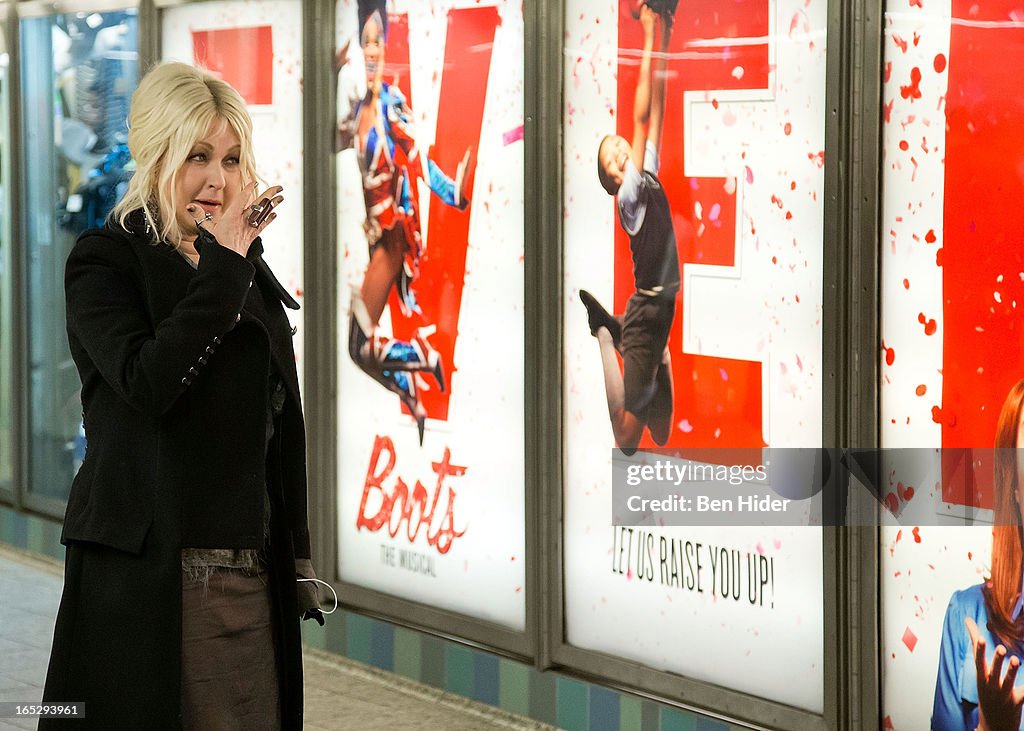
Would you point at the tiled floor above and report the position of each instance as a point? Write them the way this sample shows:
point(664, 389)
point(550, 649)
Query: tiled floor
point(340, 694)
point(29, 594)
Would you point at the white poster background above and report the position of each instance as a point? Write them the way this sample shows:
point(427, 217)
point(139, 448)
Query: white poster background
point(920, 568)
point(277, 127)
point(483, 575)
point(749, 312)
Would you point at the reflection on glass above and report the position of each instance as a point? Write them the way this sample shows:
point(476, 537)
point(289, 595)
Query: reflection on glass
point(6, 283)
point(78, 73)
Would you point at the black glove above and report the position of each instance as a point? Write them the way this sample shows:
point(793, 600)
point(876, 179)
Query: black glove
point(308, 591)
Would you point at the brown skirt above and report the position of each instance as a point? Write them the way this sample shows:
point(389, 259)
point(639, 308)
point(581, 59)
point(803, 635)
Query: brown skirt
point(228, 668)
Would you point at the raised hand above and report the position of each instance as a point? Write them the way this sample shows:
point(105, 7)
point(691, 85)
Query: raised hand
point(999, 702)
point(244, 218)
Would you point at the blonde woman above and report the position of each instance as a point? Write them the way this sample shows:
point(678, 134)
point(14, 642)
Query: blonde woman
point(186, 525)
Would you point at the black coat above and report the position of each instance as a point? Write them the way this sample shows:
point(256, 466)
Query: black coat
point(174, 363)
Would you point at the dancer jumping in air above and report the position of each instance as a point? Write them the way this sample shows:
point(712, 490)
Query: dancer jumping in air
point(640, 395)
point(379, 126)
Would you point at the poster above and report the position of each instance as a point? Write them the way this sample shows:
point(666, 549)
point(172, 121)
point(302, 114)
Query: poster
point(256, 45)
point(431, 340)
point(737, 307)
point(952, 350)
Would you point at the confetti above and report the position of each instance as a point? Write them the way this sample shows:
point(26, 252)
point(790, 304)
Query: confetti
point(513, 135)
point(909, 639)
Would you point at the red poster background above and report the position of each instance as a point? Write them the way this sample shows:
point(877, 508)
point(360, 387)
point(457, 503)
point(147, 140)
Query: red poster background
point(720, 398)
point(243, 57)
point(467, 63)
point(982, 252)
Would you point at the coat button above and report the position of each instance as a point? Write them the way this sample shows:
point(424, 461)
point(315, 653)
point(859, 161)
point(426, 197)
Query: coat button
point(202, 360)
point(209, 350)
point(238, 317)
point(186, 381)
point(216, 341)
point(193, 371)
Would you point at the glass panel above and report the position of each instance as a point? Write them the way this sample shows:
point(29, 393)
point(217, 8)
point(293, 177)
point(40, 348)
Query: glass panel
point(256, 46)
point(721, 286)
point(78, 73)
point(7, 276)
point(452, 86)
point(952, 345)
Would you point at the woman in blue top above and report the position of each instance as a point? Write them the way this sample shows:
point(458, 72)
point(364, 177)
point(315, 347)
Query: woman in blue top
point(983, 633)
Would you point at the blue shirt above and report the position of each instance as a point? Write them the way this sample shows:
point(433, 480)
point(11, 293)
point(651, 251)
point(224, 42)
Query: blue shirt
point(956, 686)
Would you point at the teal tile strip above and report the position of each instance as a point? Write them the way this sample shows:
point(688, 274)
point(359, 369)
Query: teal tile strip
point(604, 709)
point(572, 704)
point(544, 696)
point(21, 531)
point(459, 670)
point(408, 659)
point(630, 714)
point(382, 645)
point(650, 717)
point(7, 526)
point(314, 635)
point(514, 687)
point(486, 678)
point(14, 529)
point(709, 724)
point(334, 634)
point(357, 630)
point(30, 533)
point(433, 662)
point(673, 720)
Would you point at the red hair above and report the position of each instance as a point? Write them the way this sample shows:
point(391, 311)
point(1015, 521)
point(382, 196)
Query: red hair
point(1003, 589)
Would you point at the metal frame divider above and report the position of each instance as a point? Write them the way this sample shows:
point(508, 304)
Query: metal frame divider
point(149, 36)
point(853, 189)
point(320, 277)
point(8, 493)
point(548, 94)
point(543, 77)
point(19, 365)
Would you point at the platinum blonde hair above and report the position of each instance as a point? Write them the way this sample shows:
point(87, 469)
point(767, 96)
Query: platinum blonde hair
point(174, 106)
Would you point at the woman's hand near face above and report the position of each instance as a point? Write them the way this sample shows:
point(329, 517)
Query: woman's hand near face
point(233, 229)
point(999, 702)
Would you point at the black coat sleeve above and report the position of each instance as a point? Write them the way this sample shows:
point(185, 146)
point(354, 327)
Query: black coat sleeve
point(148, 364)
